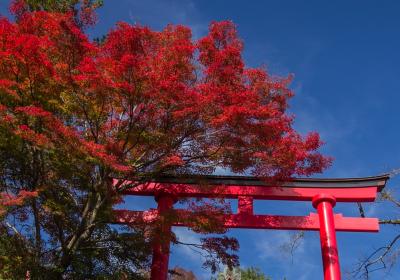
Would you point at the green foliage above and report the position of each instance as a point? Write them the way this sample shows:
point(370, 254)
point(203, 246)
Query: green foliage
point(61, 6)
point(253, 274)
point(237, 273)
point(83, 11)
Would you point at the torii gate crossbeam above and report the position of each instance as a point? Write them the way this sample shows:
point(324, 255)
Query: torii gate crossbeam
point(323, 193)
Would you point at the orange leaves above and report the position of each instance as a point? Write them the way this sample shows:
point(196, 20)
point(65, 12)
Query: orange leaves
point(173, 160)
point(8, 200)
point(28, 134)
point(7, 86)
point(98, 151)
point(55, 133)
point(33, 111)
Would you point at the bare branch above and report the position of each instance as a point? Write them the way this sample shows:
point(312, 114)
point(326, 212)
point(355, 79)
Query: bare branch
point(390, 222)
point(380, 259)
point(361, 209)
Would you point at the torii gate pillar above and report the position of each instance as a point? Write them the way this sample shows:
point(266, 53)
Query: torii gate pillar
point(330, 258)
point(161, 246)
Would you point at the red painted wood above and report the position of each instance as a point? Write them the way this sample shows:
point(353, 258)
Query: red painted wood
point(330, 258)
point(359, 194)
point(310, 222)
point(161, 246)
point(323, 192)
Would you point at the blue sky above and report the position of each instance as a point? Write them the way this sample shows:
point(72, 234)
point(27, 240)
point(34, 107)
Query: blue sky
point(346, 61)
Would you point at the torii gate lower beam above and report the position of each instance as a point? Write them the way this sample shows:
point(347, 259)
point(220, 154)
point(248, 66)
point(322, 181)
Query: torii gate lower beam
point(322, 192)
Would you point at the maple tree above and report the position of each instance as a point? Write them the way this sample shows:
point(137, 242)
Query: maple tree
point(75, 113)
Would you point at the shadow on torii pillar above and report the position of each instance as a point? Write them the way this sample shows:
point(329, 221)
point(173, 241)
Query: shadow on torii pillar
point(323, 193)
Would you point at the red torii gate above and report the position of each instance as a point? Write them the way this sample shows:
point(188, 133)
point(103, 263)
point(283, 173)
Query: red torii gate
point(323, 193)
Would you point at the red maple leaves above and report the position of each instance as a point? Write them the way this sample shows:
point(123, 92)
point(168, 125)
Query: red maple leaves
point(9, 200)
point(147, 101)
point(75, 113)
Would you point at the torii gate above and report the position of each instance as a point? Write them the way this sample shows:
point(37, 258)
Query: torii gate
point(323, 193)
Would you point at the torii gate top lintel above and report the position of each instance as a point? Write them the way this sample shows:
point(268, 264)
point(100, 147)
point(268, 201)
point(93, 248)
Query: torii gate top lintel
point(368, 181)
point(363, 189)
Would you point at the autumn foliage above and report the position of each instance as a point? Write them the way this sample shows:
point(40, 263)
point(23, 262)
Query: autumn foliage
point(75, 113)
